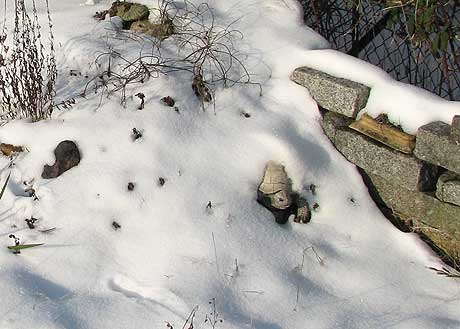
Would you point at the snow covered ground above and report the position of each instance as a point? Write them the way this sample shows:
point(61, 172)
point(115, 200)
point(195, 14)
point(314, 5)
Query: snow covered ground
point(348, 268)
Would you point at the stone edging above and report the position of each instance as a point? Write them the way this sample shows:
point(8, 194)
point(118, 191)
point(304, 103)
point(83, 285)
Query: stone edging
point(422, 187)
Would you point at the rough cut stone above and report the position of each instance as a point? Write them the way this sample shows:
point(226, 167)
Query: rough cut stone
point(67, 156)
point(448, 188)
point(409, 172)
point(334, 94)
point(438, 220)
point(433, 145)
point(455, 130)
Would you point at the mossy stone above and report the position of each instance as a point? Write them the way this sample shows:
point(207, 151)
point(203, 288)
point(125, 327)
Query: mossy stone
point(136, 12)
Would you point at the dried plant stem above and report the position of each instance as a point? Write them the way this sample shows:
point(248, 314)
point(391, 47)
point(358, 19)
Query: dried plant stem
point(27, 68)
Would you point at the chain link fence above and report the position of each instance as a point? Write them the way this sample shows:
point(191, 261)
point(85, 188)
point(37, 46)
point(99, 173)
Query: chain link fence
point(374, 33)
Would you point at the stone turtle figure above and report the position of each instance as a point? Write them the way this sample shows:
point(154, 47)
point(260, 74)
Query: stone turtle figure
point(275, 193)
point(67, 156)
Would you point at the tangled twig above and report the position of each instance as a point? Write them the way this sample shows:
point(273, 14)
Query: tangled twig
point(205, 50)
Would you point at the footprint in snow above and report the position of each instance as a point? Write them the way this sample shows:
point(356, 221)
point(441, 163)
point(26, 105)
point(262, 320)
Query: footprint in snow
point(156, 294)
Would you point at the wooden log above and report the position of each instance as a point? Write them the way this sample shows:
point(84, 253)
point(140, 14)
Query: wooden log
point(384, 133)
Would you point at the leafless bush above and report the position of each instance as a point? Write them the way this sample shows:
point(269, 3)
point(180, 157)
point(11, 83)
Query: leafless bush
point(205, 51)
point(27, 67)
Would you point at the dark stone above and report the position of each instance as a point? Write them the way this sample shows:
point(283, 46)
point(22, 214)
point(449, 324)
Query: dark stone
point(67, 156)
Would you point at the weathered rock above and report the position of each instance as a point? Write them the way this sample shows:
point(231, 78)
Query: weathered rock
point(67, 156)
point(448, 188)
point(433, 145)
point(135, 12)
point(438, 220)
point(334, 94)
point(455, 130)
point(375, 158)
point(118, 8)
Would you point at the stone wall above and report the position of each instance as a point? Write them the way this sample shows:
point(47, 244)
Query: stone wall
point(420, 184)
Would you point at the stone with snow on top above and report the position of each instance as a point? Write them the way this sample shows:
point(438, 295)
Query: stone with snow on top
point(434, 145)
point(334, 94)
point(135, 12)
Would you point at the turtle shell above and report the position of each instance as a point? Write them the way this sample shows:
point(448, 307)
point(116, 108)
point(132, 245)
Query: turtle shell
point(277, 186)
point(136, 12)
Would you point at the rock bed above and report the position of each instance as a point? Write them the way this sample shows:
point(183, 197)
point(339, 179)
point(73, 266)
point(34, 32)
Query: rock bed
point(421, 187)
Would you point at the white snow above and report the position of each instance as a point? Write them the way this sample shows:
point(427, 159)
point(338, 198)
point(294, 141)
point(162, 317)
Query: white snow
point(171, 253)
point(406, 105)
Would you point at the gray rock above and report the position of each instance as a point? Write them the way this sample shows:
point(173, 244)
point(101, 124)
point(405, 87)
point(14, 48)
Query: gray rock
point(436, 219)
point(433, 145)
point(448, 188)
point(67, 156)
point(455, 130)
point(375, 158)
point(334, 94)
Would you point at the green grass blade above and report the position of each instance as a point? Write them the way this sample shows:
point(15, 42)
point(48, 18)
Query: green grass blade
point(4, 185)
point(25, 246)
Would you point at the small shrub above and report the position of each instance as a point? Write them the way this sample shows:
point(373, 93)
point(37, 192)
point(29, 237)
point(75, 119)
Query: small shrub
point(27, 68)
point(204, 50)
